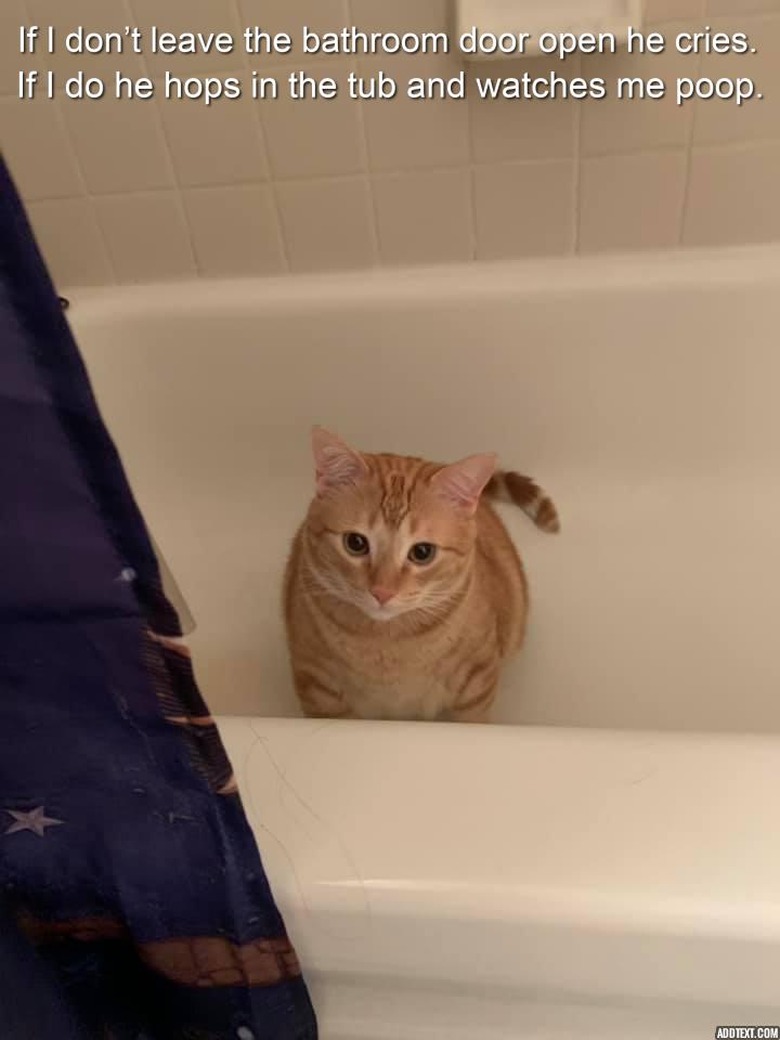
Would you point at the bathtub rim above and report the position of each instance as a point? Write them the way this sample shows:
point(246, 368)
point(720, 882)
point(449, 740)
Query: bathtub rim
point(657, 946)
point(607, 272)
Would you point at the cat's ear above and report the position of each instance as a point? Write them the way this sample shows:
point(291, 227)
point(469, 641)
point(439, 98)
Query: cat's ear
point(337, 465)
point(463, 482)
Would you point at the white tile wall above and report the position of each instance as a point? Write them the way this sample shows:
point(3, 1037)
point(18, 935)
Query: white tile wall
point(217, 145)
point(720, 122)
point(632, 201)
point(71, 238)
point(638, 124)
point(424, 216)
point(147, 235)
point(733, 195)
point(235, 230)
point(154, 190)
point(327, 223)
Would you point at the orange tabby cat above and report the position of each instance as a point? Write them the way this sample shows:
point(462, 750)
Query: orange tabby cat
point(404, 593)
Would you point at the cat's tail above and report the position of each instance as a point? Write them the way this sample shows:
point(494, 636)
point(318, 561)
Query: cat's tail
point(522, 491)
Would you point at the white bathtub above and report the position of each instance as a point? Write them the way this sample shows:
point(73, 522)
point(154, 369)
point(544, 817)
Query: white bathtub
point(611, 867)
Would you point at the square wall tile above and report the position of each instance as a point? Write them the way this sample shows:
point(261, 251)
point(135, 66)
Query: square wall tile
point(328, 224)
point(100, 16)
point(37, 149)
point(119, 145)
point(234, 231)
point(718, 120)
point(177, 16)
point(424, 217)
point(147, 236)
point(632, 201)
point(218, 144)
point(733, 197)
point(406, 134)
point(69, 238)
point(290, 16)
point(524, 209)
point(618, 125)
point(313, 138)
point(503, 130)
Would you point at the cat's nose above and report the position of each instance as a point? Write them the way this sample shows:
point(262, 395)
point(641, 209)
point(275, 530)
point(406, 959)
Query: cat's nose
point(381, 595)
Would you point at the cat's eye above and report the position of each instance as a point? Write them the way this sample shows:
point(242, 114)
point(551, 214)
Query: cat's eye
point(356, 544)
point(422, 553)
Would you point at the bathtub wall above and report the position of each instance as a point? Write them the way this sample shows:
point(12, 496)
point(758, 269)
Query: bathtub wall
point(146, 191)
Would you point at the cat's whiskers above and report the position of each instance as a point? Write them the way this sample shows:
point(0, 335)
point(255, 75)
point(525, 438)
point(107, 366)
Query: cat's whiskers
point(330, 585)
point(433, 610)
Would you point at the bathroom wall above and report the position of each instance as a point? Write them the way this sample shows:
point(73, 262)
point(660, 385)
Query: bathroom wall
point(147, 191)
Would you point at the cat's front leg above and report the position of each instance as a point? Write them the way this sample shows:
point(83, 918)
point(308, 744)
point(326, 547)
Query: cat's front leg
point(318, 700)
point(473, 715)
point(476, 698)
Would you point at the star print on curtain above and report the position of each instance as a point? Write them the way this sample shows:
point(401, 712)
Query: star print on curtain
point(36, 821)
point(133, 900)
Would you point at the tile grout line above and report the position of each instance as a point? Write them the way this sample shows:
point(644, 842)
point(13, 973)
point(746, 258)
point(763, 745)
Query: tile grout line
point(470, 167)
point(577, 175)
point(160, 124)
point(686, 195)
point(376, 243)
point(472, 172)
point(271, 181)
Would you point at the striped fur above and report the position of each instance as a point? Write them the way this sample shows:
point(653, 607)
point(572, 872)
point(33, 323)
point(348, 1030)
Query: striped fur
point(526, 493)
point(376, 635)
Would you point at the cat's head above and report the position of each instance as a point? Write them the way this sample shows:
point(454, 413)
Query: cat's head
point(389, 534)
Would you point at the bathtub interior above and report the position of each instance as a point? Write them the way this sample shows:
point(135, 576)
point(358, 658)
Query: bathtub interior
point(640, 392)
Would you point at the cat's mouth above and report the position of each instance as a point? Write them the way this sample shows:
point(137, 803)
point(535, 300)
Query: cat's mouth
point(382, 611)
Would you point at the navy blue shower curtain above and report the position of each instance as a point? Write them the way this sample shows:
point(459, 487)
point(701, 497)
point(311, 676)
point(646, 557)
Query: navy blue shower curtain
point(133, 901)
